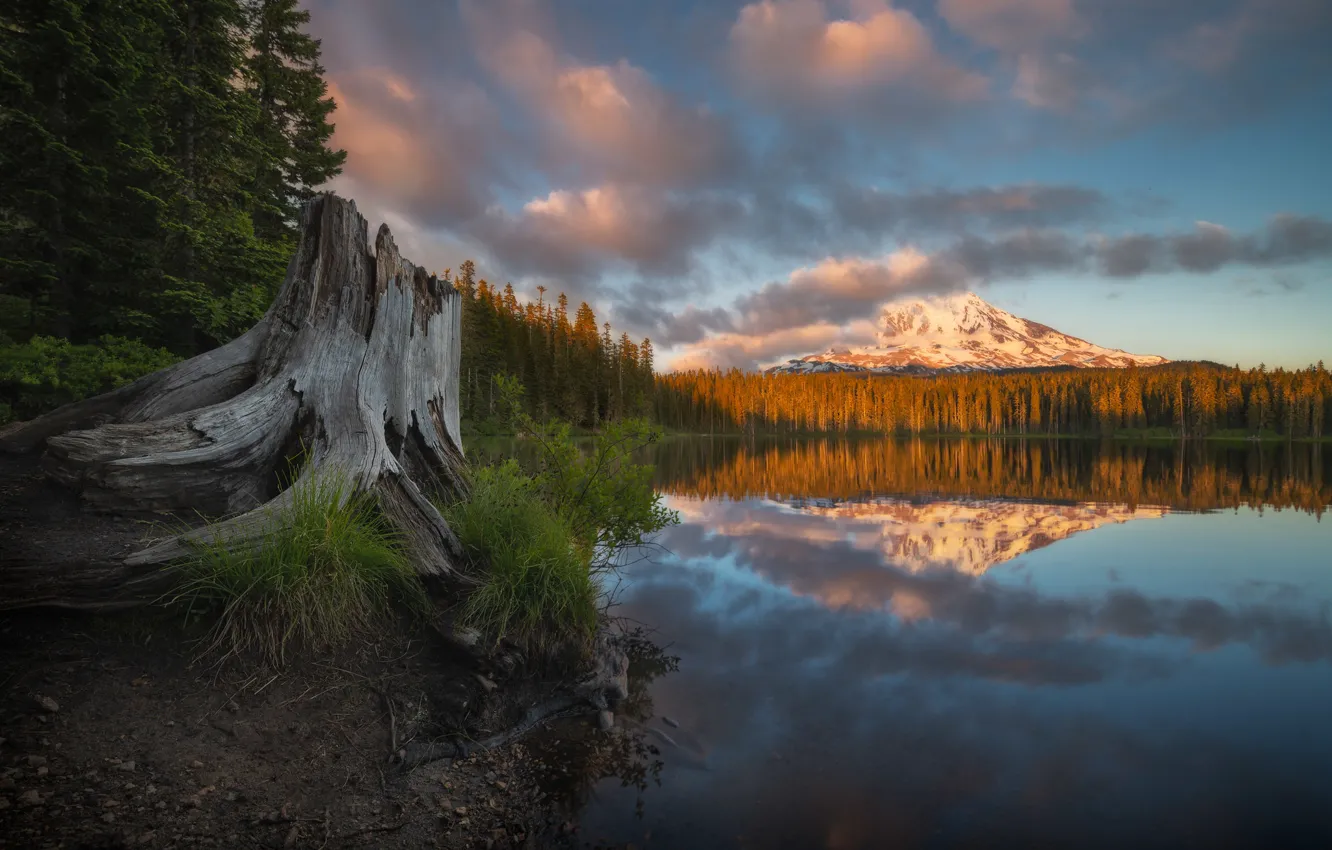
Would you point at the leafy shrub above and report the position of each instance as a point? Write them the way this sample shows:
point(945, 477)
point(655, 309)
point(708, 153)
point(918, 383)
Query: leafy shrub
point(327, 568)
point(540, 542)
point(537, 589)
point(43, 373)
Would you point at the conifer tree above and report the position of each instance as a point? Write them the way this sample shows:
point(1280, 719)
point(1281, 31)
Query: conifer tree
point(292, 126)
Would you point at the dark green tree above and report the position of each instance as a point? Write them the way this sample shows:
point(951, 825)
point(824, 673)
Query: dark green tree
point(292, 127)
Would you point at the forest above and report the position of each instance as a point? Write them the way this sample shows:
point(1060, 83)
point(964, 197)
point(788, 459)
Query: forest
point(1179, 400)
point(572, 371)
point(155, 157)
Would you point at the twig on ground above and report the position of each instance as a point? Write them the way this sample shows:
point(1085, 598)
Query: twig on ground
point(393, 827)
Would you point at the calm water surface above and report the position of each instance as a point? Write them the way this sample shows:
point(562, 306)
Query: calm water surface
point(938, 644)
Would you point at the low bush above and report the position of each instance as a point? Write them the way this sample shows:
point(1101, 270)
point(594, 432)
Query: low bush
point(539, 542)
point(327, 569)
point(536, 589)
point(43, 373)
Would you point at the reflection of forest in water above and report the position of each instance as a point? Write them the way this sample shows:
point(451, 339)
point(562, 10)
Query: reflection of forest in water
point(1183, 476)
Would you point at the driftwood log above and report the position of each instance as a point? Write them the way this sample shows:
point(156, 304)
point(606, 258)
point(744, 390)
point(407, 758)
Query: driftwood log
point(356, 361)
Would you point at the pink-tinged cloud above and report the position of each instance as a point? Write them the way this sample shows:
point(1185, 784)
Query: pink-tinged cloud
point(417, 151)
point(793, 47)
point(750, 351)
point(578, 232)
point(1013, 25)
point(611, 121)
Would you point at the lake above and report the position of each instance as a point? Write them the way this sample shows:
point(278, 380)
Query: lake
point(981, 643)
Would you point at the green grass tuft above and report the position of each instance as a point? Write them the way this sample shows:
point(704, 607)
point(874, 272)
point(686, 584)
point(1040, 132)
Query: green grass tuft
point(328, 569)
point(537, 588)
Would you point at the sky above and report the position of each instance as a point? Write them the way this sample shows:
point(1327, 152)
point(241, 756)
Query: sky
point(746, 182)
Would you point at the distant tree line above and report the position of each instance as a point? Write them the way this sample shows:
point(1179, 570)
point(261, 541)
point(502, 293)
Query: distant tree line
point(153, 156)
point(1178, 399)
point(570, 370)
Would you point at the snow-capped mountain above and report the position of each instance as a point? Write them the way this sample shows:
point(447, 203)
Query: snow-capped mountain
point(962, 333)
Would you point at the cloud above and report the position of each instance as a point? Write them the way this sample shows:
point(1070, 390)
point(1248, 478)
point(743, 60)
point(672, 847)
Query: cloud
point(792, 48)
point(1287, 239)
point(604, 122)
point(948, 210)
point(389, 128)
point(824, 302)
point(586, 232)
point(1013, 25)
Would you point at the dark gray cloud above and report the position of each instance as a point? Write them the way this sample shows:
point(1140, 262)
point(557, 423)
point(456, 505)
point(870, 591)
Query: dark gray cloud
point(1286, 240)
point(941, 210)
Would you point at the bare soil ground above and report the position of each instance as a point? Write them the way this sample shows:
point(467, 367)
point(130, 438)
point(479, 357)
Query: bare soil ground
point(112, 733)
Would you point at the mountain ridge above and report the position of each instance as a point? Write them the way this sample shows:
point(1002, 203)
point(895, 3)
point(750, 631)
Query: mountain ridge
point(962, 333)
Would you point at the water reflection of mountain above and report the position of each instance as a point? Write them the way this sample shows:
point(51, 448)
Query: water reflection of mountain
point(966, 536)
point(1197, 476)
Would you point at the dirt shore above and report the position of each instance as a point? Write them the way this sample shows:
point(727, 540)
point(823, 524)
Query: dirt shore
point(114, 734)
point(111, 741)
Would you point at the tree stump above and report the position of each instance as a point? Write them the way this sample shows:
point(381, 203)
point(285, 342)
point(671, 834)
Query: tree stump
point(356, 361)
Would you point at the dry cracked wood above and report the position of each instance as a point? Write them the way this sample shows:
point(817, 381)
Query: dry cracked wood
point(357, 360)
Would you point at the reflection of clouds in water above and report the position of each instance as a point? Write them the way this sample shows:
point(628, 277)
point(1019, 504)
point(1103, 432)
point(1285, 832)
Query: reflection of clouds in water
point(850, 703)
point(817, 735)
point(816, 556)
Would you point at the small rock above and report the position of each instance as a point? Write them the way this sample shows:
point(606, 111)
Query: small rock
point(196, 764)
point(501, 784)
point(460, 811)
point(485, 683)
point(108, 818)
point(233, 707)
point(42, 771)
point(126, 766)
point(109, 804)
point(36, 761)
point(46, 704)
point(151, 789)
point(31, 798)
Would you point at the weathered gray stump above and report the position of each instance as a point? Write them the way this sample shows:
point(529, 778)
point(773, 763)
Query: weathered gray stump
point(357, 359)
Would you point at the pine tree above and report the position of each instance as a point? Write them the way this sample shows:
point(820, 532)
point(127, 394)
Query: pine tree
point(77, 212)
point(292, 127)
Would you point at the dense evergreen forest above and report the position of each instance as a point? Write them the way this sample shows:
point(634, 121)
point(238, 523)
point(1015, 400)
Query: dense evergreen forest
point(1177, 399)
point(153, 156)
point(570, 370)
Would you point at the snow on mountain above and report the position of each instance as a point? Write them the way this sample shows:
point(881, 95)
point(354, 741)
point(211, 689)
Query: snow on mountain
point(962, 333)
